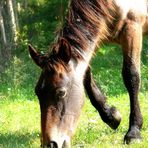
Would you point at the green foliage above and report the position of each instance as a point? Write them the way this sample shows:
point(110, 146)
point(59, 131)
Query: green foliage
point(39, 22)
point(17, 78)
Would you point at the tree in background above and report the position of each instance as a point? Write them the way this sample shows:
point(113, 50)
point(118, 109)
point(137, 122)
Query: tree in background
point(2, 28)
point(8, 31)
point(23, 22)
point(11, 5)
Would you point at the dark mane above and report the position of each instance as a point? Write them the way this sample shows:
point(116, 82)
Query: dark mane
point(87, 21)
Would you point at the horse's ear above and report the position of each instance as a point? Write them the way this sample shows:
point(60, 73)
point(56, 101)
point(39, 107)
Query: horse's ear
point(36, 56)
point(64, 52)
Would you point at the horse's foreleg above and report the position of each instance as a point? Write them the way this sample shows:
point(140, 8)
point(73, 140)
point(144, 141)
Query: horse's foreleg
point(108, 114)
point(132, 44)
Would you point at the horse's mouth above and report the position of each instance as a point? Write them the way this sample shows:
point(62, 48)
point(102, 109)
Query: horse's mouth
point(54, 144)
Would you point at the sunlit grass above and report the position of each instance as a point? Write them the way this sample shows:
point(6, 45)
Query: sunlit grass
point(20, 125)
point(92, 132)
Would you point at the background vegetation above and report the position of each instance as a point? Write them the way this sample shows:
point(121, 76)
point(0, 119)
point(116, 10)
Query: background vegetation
point(35, 22)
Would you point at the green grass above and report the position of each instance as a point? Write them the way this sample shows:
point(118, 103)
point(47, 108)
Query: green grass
point(20, 115)
point(92, 132)
point(20, 125)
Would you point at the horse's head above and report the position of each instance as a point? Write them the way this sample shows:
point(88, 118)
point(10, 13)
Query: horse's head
point(60, 94)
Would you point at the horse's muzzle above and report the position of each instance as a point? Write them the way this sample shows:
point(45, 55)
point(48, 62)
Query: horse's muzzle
point(52, 144)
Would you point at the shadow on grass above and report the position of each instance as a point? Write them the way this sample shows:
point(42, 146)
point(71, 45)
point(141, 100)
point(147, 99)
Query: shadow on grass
point(19, 140)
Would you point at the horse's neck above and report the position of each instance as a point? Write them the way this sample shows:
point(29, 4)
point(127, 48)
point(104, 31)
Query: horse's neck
point(85, 27)
point(81, 65)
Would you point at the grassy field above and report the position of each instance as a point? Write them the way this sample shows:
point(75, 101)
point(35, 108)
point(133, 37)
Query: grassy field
point(20, 116)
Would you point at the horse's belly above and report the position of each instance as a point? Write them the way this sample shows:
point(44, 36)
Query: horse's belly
point(145, 27)
point(138, 7)
point(135, 10)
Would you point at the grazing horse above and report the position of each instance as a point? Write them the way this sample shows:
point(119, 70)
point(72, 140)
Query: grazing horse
point(65, 70)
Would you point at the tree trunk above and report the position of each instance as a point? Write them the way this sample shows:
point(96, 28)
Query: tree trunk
point(2, 30)
point(12, 20)
point(3, 43)
point(5, 52)
point(16, 14)
point(25, 4)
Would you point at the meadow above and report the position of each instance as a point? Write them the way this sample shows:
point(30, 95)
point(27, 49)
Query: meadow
point(20, 114)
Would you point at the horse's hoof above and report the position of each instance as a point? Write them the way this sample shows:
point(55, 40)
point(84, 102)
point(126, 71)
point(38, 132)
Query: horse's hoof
point(132, 135)
point(114, 118)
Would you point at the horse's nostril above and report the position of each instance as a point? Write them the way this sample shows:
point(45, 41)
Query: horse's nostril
point(52, 144)
point(61, 93)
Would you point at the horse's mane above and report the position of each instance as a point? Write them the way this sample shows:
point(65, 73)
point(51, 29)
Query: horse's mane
point(87, 20)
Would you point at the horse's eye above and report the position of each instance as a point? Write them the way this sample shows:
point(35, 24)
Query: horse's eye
point(61, 93)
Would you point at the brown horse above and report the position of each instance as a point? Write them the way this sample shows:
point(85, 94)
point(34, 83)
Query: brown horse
point(65, 70)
